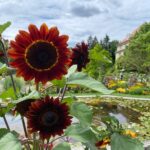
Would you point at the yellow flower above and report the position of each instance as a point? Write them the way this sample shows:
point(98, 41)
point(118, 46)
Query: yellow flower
point(121, 90)
point(130, 133)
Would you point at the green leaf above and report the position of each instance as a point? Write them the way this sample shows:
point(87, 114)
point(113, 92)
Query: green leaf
point(3, 131)
point(71, 70)
point(9, 93)
point(5, 108)
point(82, 134)
point(4, 26)
point(10, 142)
point(62, 146)
point(59, 83)
point(80, 78)
point(121, 142)
point(68, 100)
point(82, 112)
point(32, 95)
point(5, 69)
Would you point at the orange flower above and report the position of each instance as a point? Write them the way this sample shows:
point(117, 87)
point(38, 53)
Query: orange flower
point(130, 133)
point(41, 54)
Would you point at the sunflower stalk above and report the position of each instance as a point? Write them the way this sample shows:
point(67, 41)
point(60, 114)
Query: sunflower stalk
point(35, 142)
point(63, 93)
point(47, 144)
point(6, 123)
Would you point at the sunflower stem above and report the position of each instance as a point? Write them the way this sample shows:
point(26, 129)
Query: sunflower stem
point(58, 138)
point(24, 126)
point(6, 123)
point(35, 142)
point(63, 93)
point(47, 144)
point(37, 86)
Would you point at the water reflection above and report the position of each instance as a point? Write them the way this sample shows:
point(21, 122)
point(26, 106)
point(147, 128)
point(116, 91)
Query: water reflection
point(123, 114)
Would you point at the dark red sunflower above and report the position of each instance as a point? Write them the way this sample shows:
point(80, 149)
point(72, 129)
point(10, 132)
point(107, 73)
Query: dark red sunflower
point(40, 54)
point(80, 55)
point(48, 116)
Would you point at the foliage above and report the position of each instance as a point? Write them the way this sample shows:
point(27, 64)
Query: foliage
point(110, 46)
point(100, 62)
point(4, 26)
point(137, 54)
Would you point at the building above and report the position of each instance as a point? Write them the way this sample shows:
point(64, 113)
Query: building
point(124, 43)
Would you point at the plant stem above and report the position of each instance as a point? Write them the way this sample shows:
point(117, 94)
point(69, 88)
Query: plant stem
point(24, 126)
point(37, 87)
point(35, 142)
point(63, 93)
point(6, 123)
point(58, 138)
point(47, 144)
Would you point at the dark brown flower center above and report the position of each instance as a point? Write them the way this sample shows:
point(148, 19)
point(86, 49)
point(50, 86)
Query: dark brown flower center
point(41, 55)
point(49, 118)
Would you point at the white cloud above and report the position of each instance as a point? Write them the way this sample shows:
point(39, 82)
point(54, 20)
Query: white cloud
point(77, 18)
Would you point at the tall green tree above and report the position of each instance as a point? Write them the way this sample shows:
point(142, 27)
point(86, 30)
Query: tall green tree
point(137, 54)
point(92, 41)
point(100, 62)
point(110, 46)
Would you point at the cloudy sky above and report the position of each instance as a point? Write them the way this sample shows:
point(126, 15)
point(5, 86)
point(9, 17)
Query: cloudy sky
point(77, 18)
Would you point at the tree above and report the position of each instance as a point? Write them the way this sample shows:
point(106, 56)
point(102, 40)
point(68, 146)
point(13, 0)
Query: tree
point(92, 42)
point(137, 54)
point(100, 61)
point(110, 46)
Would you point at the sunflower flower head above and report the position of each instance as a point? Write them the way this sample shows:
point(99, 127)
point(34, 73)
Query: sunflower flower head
point(80, 55)
point(48, 116)
point(40, 54)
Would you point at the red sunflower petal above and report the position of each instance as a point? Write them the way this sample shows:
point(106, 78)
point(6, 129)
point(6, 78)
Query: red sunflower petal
point(44, 31)
point(14, 54)
point(53, 34)
point(62, 40)
point(34, 32)
point(17, 47)
point(25, 35)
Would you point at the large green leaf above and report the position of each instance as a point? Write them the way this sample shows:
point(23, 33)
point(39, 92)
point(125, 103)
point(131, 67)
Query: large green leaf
point(121, 142)
point(3, 131)
point(82, 112)
point(32, 95)
point(71, 70)
point(82, 134)
point(62, 146)
point(80, 78)
point(4, 26)
point(10, 142)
